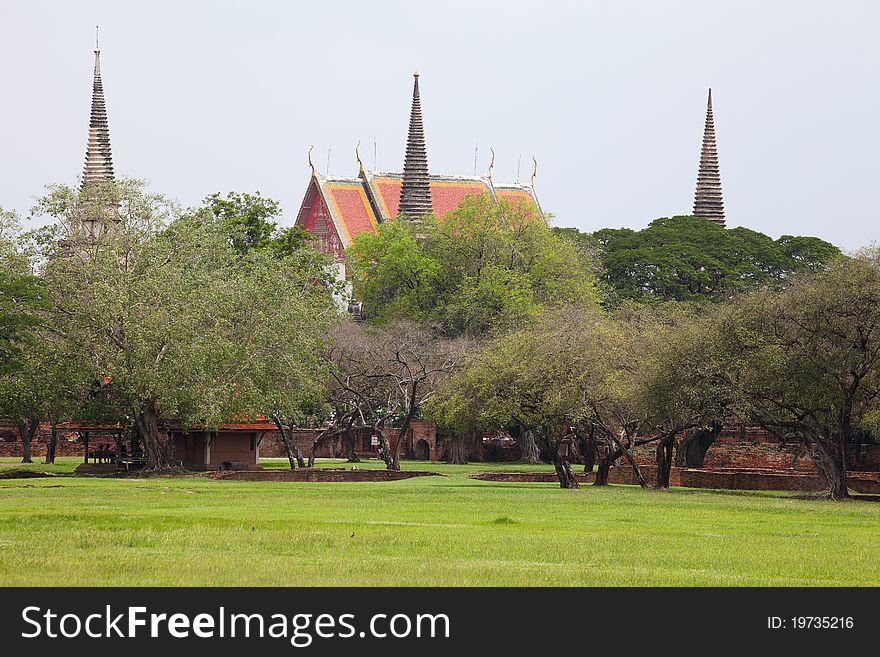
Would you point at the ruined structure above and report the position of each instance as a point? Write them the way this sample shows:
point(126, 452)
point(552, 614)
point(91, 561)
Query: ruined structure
point(415, 194)
point(708, 202)
point(99, 162)
point(98, 169)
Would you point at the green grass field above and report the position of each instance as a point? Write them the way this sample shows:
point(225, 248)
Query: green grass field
point(451, 530)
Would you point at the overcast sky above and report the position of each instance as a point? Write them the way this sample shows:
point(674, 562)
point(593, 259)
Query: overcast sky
point(609, 97)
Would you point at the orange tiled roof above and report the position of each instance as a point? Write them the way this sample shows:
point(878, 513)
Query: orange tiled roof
point(447, 192)
point(519, 196)
point(350, 207)
point(356, 205)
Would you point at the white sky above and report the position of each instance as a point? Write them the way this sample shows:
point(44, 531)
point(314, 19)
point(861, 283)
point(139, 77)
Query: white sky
point(609, 96)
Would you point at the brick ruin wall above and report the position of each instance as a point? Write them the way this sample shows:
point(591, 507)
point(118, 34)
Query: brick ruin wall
point(747, 449)
point(753, 449)
point(862, 482)
point(10, 445)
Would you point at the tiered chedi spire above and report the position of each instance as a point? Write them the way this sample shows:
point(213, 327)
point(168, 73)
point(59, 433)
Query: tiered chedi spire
point(708, 202)
point(415, 195)
point(99, 163)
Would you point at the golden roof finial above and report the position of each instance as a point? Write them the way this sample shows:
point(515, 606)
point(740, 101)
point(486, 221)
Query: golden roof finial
point(314, 172)
point(491, 164)
point(357, 155)
point(534, 172)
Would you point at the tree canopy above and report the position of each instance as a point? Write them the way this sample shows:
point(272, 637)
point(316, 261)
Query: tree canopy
point(694, 260)
point(22, 296)
point(248, 220)
point(483, 268)
point(182, 323)
point(808, 360)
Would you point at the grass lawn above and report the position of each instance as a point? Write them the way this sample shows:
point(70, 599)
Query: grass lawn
point(452, 530)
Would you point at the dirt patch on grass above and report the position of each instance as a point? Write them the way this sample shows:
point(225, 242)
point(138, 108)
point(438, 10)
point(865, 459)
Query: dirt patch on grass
point(318, 475)
point(24, 474)
point(110, 471)
point(530, 477)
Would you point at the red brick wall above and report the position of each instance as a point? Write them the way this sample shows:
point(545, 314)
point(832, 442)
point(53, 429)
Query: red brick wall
point(10, 445)
point(233, 446)
point(760, 451)
point(732, 480)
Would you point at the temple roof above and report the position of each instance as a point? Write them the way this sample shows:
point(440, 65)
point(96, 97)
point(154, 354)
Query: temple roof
point(336, 210)
point(359, 204)
point(348, 205)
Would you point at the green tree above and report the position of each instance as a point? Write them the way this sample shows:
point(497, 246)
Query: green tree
point(572, 368)
point(685, 386)
point(808, 360)
point(182, 322)
point(22, 296)
point(249, 221)
point(694, 260)
point(42, 388)
point(483, 268)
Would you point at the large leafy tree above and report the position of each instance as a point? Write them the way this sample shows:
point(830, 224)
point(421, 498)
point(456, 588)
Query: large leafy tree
point(573, 368)
point(808, 360)
point(691, 259)
point(250, 222)
point(640, 375)
point(22, 296)
point(483, 268)
point(43, 387)
point(180, 321)
point(685, 387)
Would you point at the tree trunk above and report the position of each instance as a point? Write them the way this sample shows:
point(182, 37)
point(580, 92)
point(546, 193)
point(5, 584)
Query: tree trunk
point(384, 447)
point(830, 459)
point(157, 450)
point(285, 440)
point(566, 476)
point(664, 460)
point(27, 427)
point(53, 444)
point(528, 448)
point(395, 460)
point(457, 451)
point(692, 451)
point(348, 446)
point(313, 450)
point(588, 450)
point(290, 446)
point(627, 451)
point(605, 464)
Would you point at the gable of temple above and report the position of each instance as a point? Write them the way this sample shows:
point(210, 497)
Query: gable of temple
point(336, 210)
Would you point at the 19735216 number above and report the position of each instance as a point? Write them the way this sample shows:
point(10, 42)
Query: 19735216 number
point(811, 623)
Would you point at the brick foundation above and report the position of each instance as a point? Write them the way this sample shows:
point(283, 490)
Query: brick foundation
point(320, 474)
point(860, 482)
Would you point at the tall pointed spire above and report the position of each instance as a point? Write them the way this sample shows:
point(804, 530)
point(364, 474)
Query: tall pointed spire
point(99, 163)
point(708, 202)
point(415, 196)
